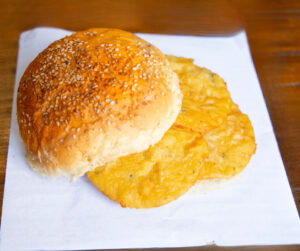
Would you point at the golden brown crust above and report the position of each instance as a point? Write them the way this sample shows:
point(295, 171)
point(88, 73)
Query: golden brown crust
point(92, 97)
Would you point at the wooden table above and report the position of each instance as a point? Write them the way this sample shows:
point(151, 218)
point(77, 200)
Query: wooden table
point(273, 29)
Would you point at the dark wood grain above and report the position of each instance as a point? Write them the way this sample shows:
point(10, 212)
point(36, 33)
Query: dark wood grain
point(273, 29)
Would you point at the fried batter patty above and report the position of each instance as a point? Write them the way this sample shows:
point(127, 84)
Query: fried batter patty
point(210, 139)
point(206, 100)
point(156, 176)
point(231, 146)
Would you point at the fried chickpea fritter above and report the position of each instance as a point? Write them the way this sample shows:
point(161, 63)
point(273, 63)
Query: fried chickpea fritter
point(231, 146)
point(210, 139)
point(206, 100)
point(207, 108)
point(156, 176)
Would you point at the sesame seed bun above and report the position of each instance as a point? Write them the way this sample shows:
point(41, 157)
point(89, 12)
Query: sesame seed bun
point(93, 97)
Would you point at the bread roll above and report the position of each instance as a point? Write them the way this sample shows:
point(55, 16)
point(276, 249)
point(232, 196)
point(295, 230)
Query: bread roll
point(93, 97)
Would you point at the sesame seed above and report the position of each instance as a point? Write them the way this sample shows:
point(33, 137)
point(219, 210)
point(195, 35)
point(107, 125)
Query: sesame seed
point(81, 91)
point(108, 122)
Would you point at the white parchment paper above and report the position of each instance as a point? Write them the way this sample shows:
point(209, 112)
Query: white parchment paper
point(256, 208)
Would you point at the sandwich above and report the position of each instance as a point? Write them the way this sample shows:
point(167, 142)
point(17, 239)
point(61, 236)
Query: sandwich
point(144, 126)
